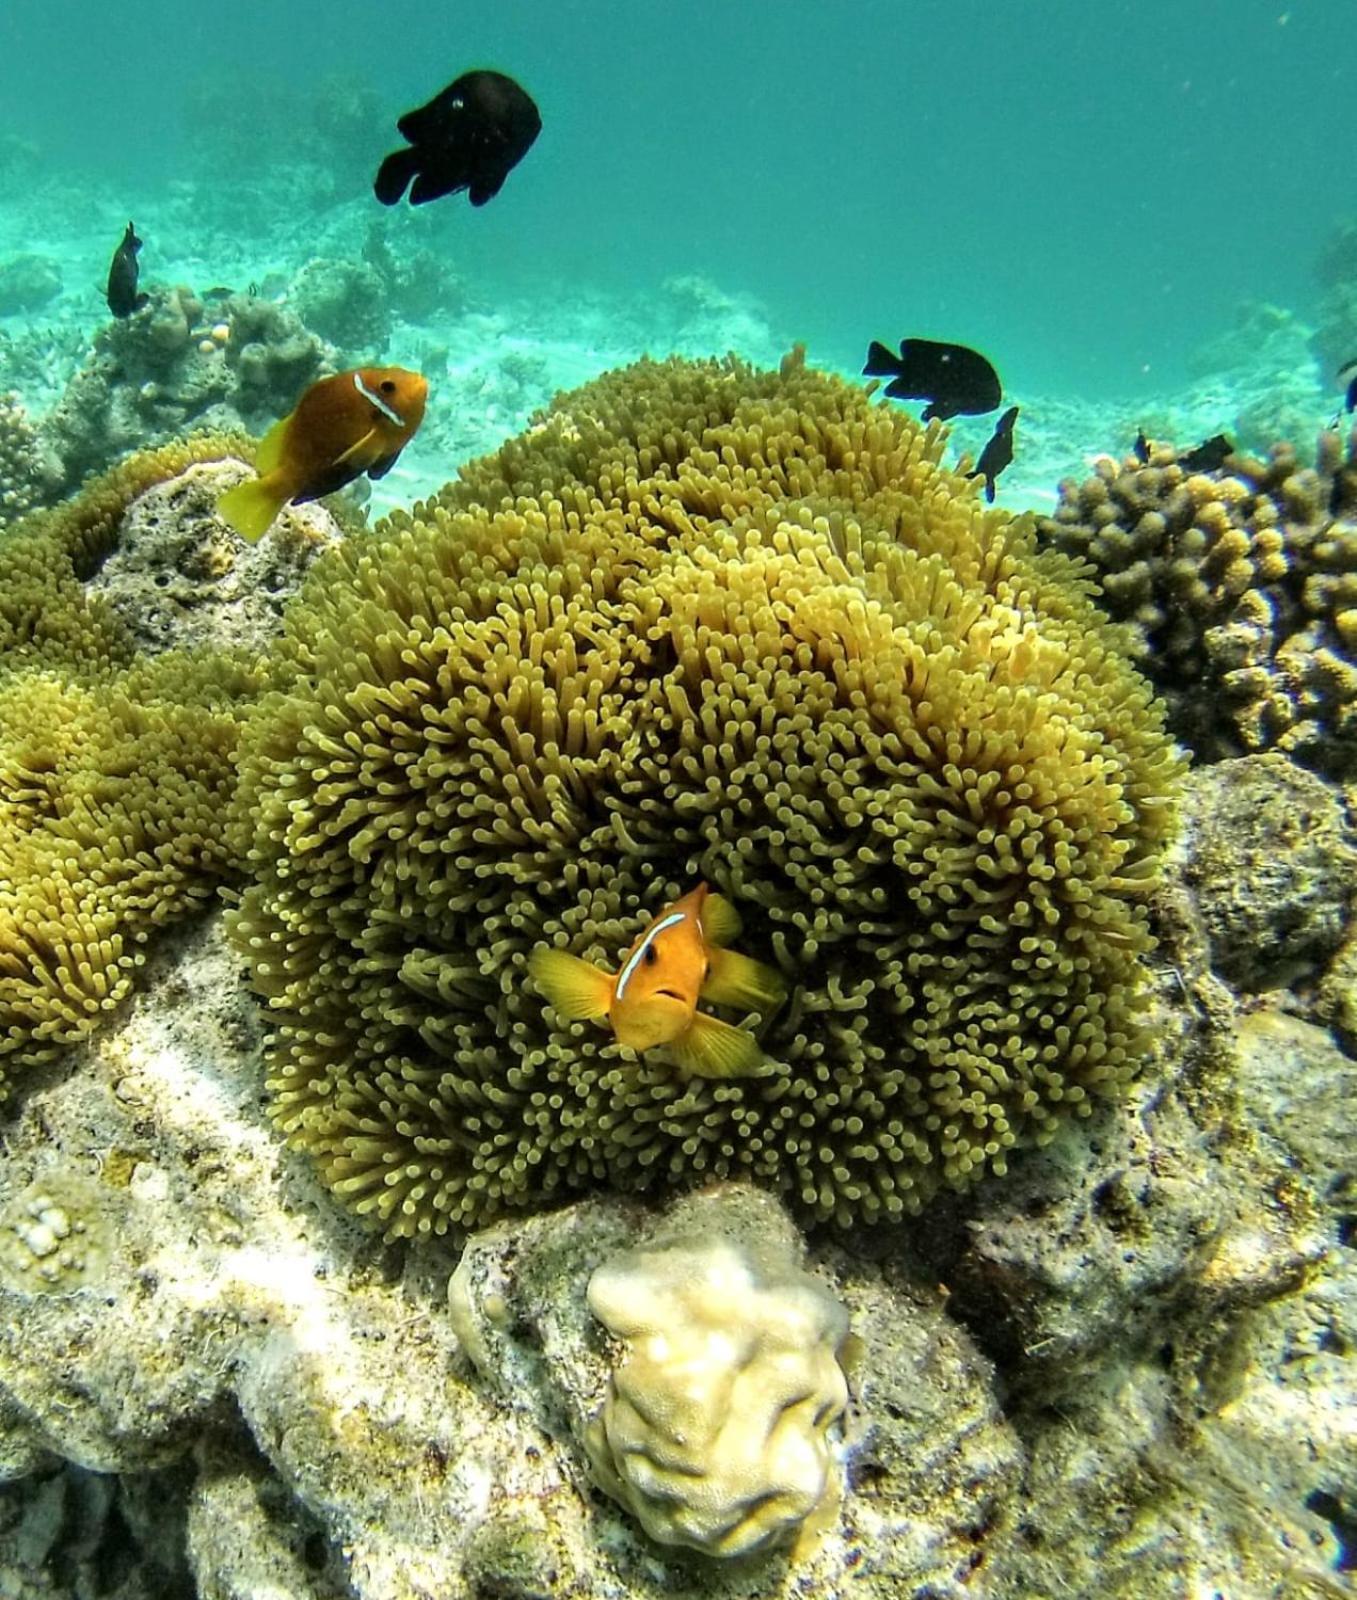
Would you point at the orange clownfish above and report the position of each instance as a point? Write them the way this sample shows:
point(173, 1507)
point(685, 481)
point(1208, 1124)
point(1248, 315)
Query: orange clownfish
point(652, 998)
point(343, 426)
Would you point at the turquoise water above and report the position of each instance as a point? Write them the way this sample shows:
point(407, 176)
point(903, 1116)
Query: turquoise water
point(1087, 192)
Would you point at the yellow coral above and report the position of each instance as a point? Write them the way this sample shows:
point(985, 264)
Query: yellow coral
point(1194, 559)
point(114, 773)
point(698, 622)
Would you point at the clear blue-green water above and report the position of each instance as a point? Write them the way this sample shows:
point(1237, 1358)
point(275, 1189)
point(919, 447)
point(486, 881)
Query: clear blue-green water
point(1085, 191)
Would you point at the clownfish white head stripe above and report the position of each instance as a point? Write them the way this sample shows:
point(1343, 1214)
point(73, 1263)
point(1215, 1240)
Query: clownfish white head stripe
point(386, 410)
point(638, 954)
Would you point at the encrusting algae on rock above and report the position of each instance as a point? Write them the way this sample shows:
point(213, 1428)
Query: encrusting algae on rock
point(700, 623)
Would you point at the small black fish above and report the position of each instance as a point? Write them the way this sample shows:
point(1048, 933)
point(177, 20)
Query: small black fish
point(1209, 456)
point(1350, 398)
point(954, 379)
point(1141, 447)
point(123, 298)
point(998, 452)
point(470, 136)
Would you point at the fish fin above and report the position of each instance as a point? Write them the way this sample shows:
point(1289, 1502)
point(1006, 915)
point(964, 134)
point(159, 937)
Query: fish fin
point(384, 464)
point(355, 449)
point(486, 188)
point(394, 175)
point(269, 451)
point(435, 180)
point(251, 507)
point(735, 980)
point(710, 1048)
point(720, 920)
point(880, 361)
point(577, 990)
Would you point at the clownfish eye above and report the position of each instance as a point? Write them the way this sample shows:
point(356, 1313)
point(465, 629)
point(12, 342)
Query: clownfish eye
point(387, 386)
point(651, 955)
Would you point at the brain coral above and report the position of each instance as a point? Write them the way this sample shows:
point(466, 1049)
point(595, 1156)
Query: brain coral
point(698, 622)
point(114, 772)
point(1242, 585)
point(714, 1431)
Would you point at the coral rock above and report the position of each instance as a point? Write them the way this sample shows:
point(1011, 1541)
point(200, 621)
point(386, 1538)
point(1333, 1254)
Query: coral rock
point(716, 1430)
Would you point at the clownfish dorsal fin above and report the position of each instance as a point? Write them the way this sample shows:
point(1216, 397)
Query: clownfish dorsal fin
point(735, 980)
point(710, 1048)
point(720, 920)
point(575, 989)
point(352, 453)
point(269, 451)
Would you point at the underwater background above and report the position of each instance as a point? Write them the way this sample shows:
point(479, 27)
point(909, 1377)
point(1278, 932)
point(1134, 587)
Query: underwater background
point(351, 1246)
point(1101, 198)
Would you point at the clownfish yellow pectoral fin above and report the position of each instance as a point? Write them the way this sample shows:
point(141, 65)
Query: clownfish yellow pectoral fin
point(356, 449)
point(710, 1048)
point(576, 990)
point(735, 980)
point(269, 451)
point(720, 920)
point(251, 507)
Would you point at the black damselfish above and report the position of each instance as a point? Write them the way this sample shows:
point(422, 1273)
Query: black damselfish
point(470, 136)
point(1350, 398)
point(123, 298)
point(1141, 447)
point(998, 452)
point(1209, 456)
point(954, 379)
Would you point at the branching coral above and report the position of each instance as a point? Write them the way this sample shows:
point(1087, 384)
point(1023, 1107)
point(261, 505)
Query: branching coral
point(698, 622)
point(114, 773)
point(1242, 585)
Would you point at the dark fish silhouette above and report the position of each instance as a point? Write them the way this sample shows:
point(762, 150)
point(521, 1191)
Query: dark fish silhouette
point(1350, 398)
point(123, 298)
point(954, 379)
point(470, 136)
point(1141, 447)
point(1209, 456)
point(998, 452)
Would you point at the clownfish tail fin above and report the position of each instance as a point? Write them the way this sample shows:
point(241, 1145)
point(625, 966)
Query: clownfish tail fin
point(576, 990)
point(251, 507)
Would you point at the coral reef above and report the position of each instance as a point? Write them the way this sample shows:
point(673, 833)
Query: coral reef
point(29, 473)
point(27, 283)
point(1259, 376)
point(1273, 864)
point(176, 365)
point(1242, 586)
point(115, 770)
point(715, 1429)
point(180, 577)
point(345, 303)
point(700, 622)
